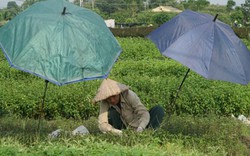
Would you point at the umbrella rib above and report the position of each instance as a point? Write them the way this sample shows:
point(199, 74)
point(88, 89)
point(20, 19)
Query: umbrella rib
point(209, 66)
point(236, 57)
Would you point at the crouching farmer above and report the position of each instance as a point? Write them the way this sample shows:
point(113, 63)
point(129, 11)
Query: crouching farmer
point(121, 108)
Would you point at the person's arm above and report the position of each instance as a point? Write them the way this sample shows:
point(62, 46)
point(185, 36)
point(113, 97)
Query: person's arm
point(103, 124)
point(139, 108)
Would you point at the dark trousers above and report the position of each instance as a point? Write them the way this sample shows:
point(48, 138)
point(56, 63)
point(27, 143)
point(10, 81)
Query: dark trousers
point(156, 116)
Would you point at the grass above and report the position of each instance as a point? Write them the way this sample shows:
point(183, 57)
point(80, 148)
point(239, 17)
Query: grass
point(178, 135)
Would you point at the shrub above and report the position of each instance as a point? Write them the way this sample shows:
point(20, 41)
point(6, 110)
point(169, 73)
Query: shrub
point(242, 32)
point(155, 78)
point(160, 18)
point(132, 32)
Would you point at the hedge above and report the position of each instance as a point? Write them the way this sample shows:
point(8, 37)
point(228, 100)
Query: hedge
point(152, 76)
point(132, 32)
point(243, 32)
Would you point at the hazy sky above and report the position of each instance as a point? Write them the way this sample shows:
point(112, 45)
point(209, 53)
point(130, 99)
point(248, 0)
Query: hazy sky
point(3, 3)
point(224, 2)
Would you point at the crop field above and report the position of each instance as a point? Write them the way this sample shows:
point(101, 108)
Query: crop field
point(199, 123)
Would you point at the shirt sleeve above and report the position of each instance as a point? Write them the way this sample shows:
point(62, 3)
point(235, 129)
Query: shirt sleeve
point(103, 124)
point(139, 108)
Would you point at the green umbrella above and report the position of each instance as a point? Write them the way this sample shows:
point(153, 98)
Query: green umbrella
point(60, 42)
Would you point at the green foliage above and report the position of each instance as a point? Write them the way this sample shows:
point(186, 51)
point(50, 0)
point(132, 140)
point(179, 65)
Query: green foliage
point(237, 15)
point(193, 129)
point(120, 16)
point(8, 14)
point(179, 135)
point(242, 32)
point(109, 6)
point(140, 12)
point(230, 5)
point(11, 4)
point(26, 4)
point(21, 94)
point(195, 5)
point(211, 133)
point(224, 15)
point(1, 17)
point(154, 77)
point(160, 18)
point(132, 32)
point(246, 10)
point(145, 17)
point(247, 43)
point(212, 97)
point(143, 31)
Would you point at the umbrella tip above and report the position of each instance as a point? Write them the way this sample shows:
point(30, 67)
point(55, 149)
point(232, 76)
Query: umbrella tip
point(64, 10)
point(215, 17)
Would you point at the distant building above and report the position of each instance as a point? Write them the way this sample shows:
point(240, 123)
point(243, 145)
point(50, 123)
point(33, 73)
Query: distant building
point(110, 23)
point(166, 9)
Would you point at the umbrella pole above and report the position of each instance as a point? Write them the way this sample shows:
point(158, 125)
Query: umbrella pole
point(41, 109)
point(179, 89)
point(170, 107)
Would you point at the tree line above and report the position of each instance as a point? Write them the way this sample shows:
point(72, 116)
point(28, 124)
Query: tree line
point(131, 10)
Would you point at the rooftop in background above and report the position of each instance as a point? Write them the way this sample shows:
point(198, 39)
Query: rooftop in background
point(166, 9)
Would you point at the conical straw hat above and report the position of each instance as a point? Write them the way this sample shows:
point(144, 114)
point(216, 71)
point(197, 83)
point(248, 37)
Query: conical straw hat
point(109, 88)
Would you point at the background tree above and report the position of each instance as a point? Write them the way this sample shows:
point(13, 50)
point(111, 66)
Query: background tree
point(201, 4)
point(11, 4)
point(160, 18)
point(11, 11)
point(171, 2)
point(133, 9)
point(230, 5)
point(187, 4)
point(195, 5)
point(109, 6)
point(246, 11)
point(237, 15)
point(8, 14)
point(28, 3)
point(1, 16)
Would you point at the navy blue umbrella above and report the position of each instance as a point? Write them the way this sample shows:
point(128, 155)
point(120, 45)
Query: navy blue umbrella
point(205, 45)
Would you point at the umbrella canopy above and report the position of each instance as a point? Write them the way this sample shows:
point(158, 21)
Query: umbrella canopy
point(60, 42)
point(205, 45)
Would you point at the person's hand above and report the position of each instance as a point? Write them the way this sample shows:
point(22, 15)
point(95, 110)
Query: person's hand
point(139, 129)
point(117, 131)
